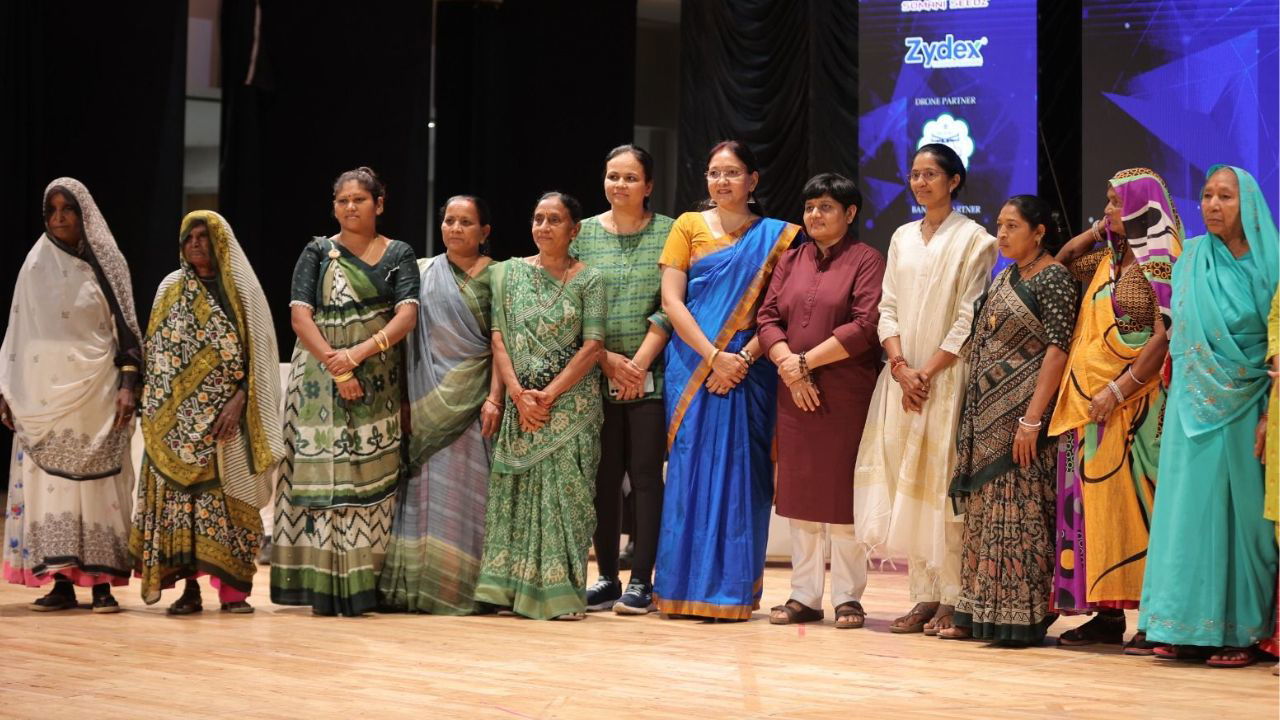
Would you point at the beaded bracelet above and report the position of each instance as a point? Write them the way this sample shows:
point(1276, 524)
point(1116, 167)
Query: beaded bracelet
point(804, 369)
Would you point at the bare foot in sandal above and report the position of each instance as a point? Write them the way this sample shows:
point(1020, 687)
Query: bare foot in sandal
point(850, 615)
point(955, 632)
point(943, 619)
point(914, 621)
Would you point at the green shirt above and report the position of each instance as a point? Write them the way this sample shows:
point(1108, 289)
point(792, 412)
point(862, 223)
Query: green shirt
point(632, 281)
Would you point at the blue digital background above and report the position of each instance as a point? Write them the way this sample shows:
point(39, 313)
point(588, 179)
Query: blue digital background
point(996, 102)
point(1179, 87)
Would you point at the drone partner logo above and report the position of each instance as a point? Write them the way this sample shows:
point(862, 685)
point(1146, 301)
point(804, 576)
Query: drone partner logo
point(946, 53)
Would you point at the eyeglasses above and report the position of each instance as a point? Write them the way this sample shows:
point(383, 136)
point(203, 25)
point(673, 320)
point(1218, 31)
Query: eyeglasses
point(926, 175)
point(729, 174)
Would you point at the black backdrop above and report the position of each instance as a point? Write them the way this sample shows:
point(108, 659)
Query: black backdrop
point(334, 86)
point(93, 91)
point(532, 94)
point(779, 75)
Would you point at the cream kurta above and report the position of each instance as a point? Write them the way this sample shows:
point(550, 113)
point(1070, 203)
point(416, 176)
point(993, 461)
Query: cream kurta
point(905, 460)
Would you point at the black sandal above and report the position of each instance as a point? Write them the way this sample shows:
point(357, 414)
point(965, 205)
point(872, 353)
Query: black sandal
point(796, 612)
point(852, 609)
point(1139, 645)
point(189, 604)
point(1106, 629)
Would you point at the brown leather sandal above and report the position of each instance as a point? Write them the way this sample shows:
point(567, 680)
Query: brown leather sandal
point(913, 622)
point(796, 612)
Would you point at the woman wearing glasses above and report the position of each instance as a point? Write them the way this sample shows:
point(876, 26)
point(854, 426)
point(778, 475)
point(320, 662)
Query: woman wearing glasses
point(719, 397)
point(937, 267)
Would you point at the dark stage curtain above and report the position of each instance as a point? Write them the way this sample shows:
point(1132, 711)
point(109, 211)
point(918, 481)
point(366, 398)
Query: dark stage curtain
point(531, 95)
point(334, 86)
point(94, 91)
point(1060, 114)
point(779, 75)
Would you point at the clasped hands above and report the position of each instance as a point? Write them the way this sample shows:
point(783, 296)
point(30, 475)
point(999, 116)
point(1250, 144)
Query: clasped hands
point(534, 408)
point(727, 370)
point(914, 384)
point(625, 374)
point(340, 362)
point(803, 392)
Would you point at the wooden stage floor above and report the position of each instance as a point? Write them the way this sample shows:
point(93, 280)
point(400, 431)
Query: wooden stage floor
point(283, 663)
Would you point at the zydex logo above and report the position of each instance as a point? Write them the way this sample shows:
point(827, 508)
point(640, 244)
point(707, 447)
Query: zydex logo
point(946, 53)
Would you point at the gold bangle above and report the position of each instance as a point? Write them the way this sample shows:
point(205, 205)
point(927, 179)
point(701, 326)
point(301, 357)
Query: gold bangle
point(380, 338)
point(344, 377)
point(128, 368)
point(347, 352)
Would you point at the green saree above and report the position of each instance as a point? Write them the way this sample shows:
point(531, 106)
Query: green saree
point(337, 490)
point(540, 516)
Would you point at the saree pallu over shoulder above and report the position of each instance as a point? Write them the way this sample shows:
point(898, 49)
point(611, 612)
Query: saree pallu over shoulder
point(346, 453)
point(541, 339)
point(448, 358)
point(1108, 471)
point(716, 514)
point(723, 291)
point(198, 354)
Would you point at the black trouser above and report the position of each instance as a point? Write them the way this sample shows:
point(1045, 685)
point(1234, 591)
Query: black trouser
point(633, 442)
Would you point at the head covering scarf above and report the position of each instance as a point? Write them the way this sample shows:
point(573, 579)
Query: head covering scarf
point(58, 373)
point(1219, 343)
point(1153, 231)
point(191, 358)
point(104, 248)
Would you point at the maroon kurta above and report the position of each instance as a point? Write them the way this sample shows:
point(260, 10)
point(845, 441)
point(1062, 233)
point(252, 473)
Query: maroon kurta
point(811, 298)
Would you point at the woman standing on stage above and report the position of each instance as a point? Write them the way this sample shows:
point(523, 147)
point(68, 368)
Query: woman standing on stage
point(1211, 569)
point(210, 423)
point(818, 325)
point(1111, 406)
point(433, 557)
point(69, 372)
point(355, 297)
point(1005, 461)
point(937, 267)
point(548, 330)
point(624, 244)
point(719, 399)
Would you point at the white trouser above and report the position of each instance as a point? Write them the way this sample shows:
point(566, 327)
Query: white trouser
point(941, 584)
point(809, 566)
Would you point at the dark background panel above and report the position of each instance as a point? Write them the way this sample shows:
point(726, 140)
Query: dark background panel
point(1059, 111)
point(532, 95)
point(328, 87)
point(778, 75)
point(93, 91)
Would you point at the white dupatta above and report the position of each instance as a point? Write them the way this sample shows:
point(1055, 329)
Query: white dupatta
point(57, 363)
point(905, 460)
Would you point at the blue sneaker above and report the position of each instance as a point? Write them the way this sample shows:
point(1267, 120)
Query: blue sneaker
point(604, 593)
point(637, 600)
